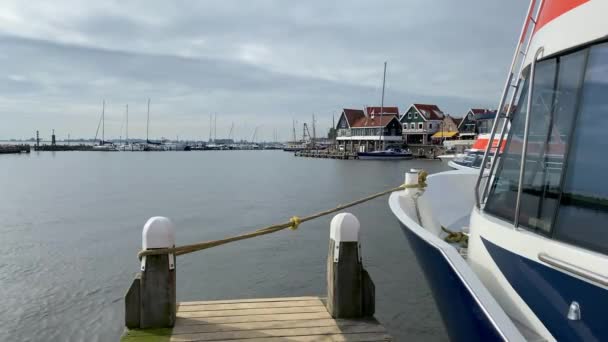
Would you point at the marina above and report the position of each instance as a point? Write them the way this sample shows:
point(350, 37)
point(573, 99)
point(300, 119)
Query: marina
point(429, 215)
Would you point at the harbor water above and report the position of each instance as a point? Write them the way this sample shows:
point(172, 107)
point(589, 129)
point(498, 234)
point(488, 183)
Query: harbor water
point(71, 228)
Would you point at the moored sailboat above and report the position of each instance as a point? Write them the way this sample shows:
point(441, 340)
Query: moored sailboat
point(103, 145)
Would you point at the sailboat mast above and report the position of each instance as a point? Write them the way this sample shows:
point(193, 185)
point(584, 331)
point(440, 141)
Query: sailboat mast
point(103, 122)
point(382, 101)
point(210, 126)
point(148, 123)
point(127, 130)
point(314, 131)
point(383, 84)
point(293, 123)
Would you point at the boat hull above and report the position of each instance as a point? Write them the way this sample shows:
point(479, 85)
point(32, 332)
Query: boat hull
point(461, 313)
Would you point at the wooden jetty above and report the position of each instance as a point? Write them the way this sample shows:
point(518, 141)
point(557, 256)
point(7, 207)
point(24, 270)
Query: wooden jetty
point(332, 154)
point(266, 319)
point(5, 149)
point(345, 314)
point(80, 147)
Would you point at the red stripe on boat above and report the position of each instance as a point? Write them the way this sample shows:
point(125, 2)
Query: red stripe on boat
point(551, 9)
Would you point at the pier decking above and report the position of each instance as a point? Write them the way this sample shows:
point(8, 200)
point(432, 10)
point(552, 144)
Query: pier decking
point(257, 320)
point(326, 154)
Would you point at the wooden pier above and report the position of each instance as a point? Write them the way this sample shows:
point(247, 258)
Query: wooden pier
point(5, 149)
point(80, 147)
point(345, 314)
point(267, 319)
point(326, 154)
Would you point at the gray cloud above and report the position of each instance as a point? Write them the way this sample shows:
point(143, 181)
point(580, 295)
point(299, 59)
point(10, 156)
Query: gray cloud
point(255, 63)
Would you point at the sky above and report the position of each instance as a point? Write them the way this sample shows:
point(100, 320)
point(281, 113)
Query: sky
point(256, 64)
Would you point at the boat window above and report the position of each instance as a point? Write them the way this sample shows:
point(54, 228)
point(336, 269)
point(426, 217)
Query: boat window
point(583, 211)
point(556, 89)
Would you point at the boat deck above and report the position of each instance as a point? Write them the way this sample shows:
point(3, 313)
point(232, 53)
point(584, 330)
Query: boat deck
point(266, 319)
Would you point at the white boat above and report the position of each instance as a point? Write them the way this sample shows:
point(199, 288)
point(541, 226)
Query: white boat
point(108, 147)
point(131, 147)
point(535, 264)
point(449, 156)
point(471, 158)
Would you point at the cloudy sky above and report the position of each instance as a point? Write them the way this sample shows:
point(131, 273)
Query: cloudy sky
point(254, 63)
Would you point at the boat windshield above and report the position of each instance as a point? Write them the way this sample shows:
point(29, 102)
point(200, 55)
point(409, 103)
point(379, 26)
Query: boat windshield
point(564, 189)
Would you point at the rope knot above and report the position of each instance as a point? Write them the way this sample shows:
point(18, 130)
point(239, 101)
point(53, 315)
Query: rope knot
point(295, 222)
point(422, 178)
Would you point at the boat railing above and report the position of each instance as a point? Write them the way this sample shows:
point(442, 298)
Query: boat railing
point(510, 90)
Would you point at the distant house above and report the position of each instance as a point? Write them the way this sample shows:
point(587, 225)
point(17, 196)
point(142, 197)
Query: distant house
point(476, 121)
point(448, 129)
point(359, 132)
point(420, 122)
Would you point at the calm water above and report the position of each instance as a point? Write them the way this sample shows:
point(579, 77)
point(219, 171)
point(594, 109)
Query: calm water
point(71, 227)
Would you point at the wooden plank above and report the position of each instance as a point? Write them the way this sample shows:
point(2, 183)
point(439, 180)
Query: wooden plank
point(248, 334)
point(247, 312)
point(364, 337)
point(327, 322)
point(253, 305)
point(249, 300)
point(257, 318)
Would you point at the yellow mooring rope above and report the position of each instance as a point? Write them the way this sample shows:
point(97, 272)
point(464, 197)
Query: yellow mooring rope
point(293, 224)
point(455, 237)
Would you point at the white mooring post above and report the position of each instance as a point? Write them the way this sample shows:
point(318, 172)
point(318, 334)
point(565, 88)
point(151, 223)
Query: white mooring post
point(350, 290)
point(150, 301)
point(411, 178)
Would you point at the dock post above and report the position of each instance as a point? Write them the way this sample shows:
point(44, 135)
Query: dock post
point(350, 290)
point(411, 178)
point(150, 301)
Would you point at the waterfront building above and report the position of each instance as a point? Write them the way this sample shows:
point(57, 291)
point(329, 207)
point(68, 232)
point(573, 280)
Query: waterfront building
point(369, 130)
point(420, 122)
point(476, 121)
point(448, 129)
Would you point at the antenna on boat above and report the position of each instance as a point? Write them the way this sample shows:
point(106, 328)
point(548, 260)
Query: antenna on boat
point(148, 124)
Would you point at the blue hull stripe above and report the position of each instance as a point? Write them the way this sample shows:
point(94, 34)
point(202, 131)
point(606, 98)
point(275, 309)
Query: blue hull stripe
point(549, 292)
point(462, 316)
